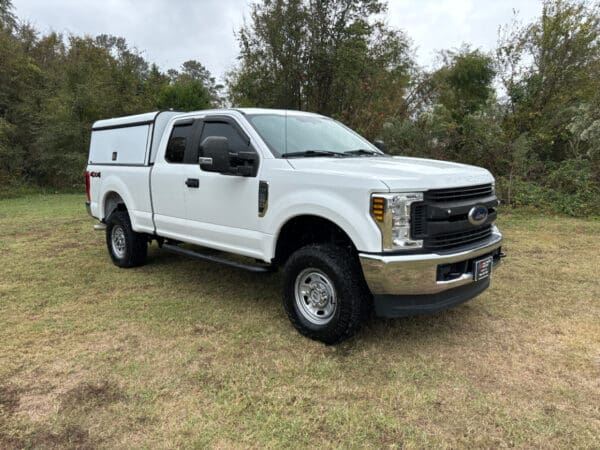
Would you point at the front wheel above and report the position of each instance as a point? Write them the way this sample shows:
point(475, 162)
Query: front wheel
point(126, 247)
point(325, 295)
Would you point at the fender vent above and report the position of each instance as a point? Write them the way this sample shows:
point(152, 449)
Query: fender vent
point(263, 198)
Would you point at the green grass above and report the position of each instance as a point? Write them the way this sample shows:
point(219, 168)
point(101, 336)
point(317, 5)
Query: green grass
point(184, 353)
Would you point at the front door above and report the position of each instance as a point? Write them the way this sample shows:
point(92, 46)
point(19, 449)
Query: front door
point(224, 209)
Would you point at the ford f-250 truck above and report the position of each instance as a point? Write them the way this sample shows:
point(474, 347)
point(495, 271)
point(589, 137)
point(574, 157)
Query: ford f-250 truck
point(352, 228)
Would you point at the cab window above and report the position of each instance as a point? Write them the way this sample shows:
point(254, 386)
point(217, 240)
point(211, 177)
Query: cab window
point(178, 142)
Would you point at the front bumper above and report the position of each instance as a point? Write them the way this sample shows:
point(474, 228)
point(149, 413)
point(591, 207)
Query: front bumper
point(418, 274)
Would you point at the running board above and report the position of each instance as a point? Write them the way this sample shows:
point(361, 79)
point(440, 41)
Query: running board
point(216, 259)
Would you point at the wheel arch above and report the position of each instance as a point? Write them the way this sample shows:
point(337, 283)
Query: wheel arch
point(112, 201)
point(305, 229)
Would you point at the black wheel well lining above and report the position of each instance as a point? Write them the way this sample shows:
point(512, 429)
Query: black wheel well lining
point(113, 201)
point(305, 230)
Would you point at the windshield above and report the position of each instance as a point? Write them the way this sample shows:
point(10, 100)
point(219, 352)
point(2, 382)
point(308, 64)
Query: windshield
point(303, 135)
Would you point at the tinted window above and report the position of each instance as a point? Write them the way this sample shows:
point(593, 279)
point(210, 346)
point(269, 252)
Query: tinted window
point(180, 137)
point(221, 129)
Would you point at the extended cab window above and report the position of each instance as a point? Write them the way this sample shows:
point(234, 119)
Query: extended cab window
point(222, 129)
point(179, 140)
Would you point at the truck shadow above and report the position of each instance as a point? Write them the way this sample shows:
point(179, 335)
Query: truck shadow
point(260, 294)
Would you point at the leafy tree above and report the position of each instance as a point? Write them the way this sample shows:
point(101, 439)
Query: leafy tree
point(551, 73)
point(331, 56)
point(8, 21)
point(456, 116)
point(187, 95)
point(153, 85)
point(194, 70)
point(551, 66)
point(53, 88)
point(463, 85)
point(540, 138)
point(193, 87)
point(20, 79)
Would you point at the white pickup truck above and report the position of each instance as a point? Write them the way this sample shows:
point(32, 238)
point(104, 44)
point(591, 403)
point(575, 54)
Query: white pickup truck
point(352, 228)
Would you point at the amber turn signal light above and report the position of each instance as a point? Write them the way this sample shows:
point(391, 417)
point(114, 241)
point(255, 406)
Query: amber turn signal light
point(378, 208)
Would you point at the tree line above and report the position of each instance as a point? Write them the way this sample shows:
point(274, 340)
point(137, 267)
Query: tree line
point(529, 111)
point(53, 87)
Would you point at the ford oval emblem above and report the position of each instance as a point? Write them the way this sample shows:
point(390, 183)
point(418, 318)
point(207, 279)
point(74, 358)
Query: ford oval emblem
point(477, 215)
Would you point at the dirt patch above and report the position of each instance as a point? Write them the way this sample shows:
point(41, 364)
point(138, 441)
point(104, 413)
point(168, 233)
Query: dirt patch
point(30, 235)
point(69, 437)
point(40, 391)
point(91, 394)
point(37, 406)
point(10, 442)
point(62, 248)
point(203, 329)
point(9, 398)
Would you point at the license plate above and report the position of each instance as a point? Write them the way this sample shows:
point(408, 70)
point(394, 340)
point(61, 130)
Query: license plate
point(483, 268)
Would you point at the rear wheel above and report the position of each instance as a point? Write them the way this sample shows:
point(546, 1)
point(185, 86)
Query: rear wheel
point(126, 247)
point(325, 295)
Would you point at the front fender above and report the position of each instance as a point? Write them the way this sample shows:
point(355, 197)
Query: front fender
point(351, 216)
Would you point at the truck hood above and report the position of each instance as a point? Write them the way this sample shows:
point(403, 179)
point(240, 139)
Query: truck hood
point(398, 173)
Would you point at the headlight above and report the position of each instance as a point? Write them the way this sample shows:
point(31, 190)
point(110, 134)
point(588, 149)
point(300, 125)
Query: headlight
point(391, 212)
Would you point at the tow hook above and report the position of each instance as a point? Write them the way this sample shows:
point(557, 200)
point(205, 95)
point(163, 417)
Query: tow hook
point(100, 227)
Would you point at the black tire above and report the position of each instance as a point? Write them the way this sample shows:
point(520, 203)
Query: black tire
point(134, 245)
point(352, 297)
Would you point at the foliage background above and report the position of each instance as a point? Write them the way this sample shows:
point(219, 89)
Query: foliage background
point(529, 111)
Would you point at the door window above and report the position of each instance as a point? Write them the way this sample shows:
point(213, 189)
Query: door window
point(222, 129)
point(178, 142)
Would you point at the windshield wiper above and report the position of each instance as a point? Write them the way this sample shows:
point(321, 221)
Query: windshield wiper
point(311, 153)
point(362, 151)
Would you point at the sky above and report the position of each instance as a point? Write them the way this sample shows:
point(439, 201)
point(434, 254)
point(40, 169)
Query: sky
point(170, 32)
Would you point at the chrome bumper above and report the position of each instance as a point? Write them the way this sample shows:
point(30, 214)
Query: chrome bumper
point(417, 274)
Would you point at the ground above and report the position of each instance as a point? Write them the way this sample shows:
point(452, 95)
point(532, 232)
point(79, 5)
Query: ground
point(184, 353)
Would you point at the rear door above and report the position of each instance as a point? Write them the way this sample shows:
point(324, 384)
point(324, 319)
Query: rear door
point(173, 175)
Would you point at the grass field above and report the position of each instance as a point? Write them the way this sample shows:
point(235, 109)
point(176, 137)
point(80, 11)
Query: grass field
point(182, 353)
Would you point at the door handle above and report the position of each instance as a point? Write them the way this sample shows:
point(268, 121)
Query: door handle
point(192, 182)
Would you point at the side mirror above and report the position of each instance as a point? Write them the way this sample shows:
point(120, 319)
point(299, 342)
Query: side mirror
point(380, 145)
point(215, 155)
point(243, 163)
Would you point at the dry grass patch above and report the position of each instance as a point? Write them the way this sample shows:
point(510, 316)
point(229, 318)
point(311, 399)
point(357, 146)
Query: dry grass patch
point(182, 353)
